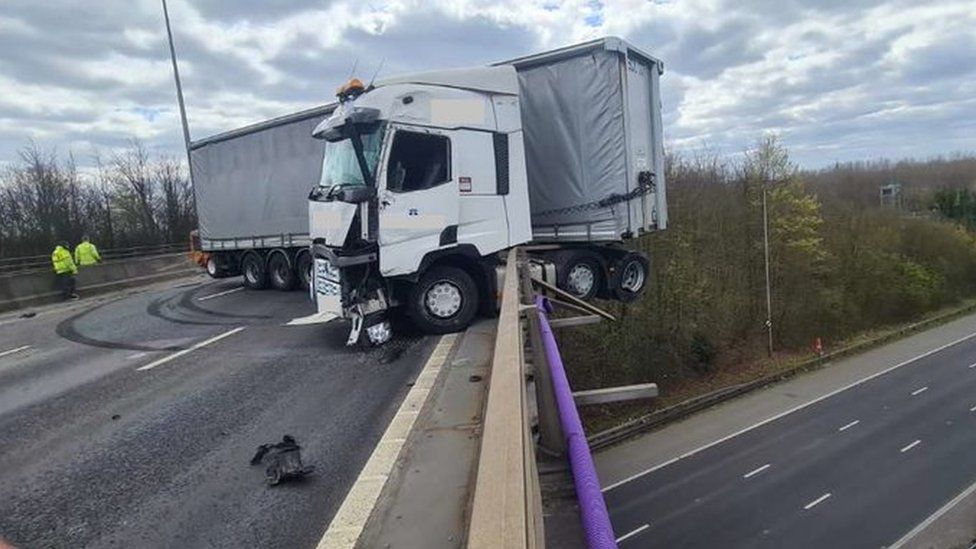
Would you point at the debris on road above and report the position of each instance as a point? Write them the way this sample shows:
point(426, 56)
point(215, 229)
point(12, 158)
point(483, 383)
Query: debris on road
point(284, 461)
point(30, 314)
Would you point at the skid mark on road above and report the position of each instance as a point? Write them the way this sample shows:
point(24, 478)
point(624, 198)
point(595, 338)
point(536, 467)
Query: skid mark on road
point(67, 329)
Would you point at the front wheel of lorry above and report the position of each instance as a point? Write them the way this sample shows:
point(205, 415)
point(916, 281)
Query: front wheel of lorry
point(444, 300)
point(255, 275)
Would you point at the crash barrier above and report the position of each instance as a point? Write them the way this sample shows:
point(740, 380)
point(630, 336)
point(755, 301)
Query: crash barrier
point(507, 505)
point(16, 265)
point(593, 509)
point(40, 286)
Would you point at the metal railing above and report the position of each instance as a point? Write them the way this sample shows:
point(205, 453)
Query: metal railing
point(507, 506)
point(507, 503)
point(25, 264)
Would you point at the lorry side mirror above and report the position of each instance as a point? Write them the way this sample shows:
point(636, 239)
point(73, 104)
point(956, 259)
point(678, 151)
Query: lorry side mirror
point(355, 195)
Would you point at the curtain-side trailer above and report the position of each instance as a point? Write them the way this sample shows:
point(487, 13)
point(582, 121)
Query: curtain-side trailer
point(251, 187)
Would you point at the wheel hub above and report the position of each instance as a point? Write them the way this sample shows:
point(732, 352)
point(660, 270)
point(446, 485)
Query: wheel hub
point(443, 299)
point(581, 279)
point(633, 277)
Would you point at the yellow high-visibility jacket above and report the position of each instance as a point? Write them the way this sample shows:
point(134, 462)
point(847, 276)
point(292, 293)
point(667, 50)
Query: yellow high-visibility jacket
point(86, 254)
point(61, 259)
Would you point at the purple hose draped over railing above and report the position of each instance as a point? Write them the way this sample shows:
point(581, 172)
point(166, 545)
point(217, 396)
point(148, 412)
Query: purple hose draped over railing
point(593, 509)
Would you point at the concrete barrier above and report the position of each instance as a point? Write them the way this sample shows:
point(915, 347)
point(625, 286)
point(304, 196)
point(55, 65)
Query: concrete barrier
point(40, 287)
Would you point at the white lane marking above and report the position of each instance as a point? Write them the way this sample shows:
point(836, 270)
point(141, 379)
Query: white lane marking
point(218, 294)
point(920, 391)
point(178, 354)
point(849, 425)
point(973, 409)
point(973, 365)
point(136, 355)
point(349, 521)
point(17, 350)
point(815, 502)
point(910, 446)
point(788, 412)
point(934, 517)
point(315, 318)
point(633, 533)
point(756, 471)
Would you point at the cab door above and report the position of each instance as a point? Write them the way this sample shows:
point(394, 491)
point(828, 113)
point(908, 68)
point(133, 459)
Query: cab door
point(418, 200)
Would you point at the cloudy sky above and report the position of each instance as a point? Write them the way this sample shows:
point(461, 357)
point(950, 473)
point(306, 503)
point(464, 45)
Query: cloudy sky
point(846, 80)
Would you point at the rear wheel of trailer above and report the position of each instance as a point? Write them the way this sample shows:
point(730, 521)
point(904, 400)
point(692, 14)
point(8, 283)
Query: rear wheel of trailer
point(280, 271)
point(255, 274)
point(303, 269)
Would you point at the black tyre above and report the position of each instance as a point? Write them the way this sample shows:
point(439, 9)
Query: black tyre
point(303, 269)
point(631, 276)
point(580, 274)
point(255, 274)
point(444, 300)
point(213, 268)
point(280, 272)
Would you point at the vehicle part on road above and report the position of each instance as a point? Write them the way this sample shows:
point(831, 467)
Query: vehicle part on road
point(255, 275)
point(284, 461)
point(280, 272)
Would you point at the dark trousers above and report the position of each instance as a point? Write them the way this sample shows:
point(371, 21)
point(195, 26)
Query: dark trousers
point(66, 283)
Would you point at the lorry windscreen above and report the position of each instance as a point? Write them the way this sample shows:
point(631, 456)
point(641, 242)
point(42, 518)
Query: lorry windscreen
point(340, 166)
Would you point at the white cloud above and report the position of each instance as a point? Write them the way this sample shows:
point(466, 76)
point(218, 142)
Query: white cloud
point(846, 79)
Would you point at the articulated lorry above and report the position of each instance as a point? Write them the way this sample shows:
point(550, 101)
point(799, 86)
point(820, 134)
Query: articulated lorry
point(426, 178)
point(251, 188)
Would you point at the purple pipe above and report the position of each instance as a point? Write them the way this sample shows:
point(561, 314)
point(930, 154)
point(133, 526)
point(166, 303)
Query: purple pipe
point(593, 509)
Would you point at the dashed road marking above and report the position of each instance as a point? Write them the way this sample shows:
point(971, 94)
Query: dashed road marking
point(633, 533)
point(218, 294)
point(816, 502)
point(920, 390)
point(849, 425)
point(756, 471)
point(797, 408)
point(910, 446)
point(17, 350)
point(178, 354)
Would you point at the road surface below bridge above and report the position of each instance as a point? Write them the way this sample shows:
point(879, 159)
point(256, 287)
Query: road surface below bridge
point(855, 465)
point(129, 420)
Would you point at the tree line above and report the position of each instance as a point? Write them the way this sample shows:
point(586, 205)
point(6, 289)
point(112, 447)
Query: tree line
point(841, 263)
point(130, 198)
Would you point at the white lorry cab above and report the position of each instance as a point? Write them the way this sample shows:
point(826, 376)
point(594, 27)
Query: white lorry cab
point(427, 177)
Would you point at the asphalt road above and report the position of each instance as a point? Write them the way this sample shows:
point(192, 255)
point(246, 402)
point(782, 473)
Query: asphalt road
point(96, 452)
point(857, 469)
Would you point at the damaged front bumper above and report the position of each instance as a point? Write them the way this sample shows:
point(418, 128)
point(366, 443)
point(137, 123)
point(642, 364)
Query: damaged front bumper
point(346, 286)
